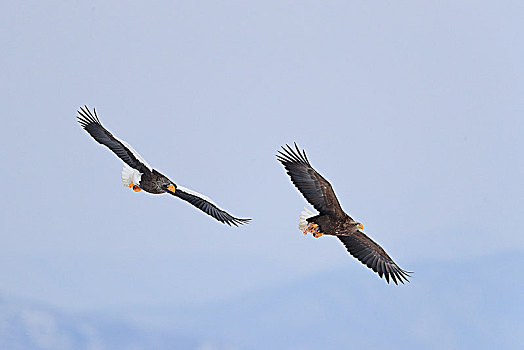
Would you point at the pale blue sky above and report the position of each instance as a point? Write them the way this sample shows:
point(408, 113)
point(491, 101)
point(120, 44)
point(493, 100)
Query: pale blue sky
point(413, 111)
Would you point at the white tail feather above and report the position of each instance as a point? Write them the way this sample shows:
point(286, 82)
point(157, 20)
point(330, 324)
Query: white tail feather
point(302, 221)
point(130, 175)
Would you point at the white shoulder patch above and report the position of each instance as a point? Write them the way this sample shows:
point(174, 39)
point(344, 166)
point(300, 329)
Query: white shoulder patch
point(304, 215)
point(135, 153)
point(200, 195)
point(130, 175)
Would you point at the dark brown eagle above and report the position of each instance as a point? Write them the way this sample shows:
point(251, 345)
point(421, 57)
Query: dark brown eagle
point(138, 175)
point(332, 220)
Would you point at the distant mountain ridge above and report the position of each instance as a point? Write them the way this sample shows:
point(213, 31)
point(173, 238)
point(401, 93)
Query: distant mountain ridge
point(473, 304)
point(25, 325)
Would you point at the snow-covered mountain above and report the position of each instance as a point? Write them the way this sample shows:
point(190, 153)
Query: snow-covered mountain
point(478, 305)
point(26, 325)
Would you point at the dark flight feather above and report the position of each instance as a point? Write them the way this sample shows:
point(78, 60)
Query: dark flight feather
point(373, 256)
point(208, 207)
point(317, 190)
point(92, 125)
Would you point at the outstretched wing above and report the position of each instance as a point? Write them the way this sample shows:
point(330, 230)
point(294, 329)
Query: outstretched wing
point(317, 190)
point(207, 206)
point(373, 256)
point(122, 149)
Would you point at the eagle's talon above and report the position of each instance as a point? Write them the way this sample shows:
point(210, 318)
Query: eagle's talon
point(131, 185)
point(318, 235)
point(136, 188)
point(311, 228)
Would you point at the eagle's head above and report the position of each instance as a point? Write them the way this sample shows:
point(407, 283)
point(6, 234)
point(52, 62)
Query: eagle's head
point(357, 225)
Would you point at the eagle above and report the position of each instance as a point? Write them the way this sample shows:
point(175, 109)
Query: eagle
point(138, 175)
point(332, 220)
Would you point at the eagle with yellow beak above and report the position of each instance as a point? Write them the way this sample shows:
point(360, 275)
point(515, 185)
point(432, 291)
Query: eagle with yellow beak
point(138, 175)
point(332, 220)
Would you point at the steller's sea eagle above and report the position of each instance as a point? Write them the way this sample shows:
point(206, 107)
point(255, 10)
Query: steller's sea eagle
point(139, 175)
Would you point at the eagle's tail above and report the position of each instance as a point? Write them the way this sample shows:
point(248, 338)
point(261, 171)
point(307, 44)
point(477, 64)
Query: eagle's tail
point(130, 175)
point(304, 215)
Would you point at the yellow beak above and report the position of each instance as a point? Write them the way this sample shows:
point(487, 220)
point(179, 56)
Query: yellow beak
point(171, 188)
point(360, 226)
